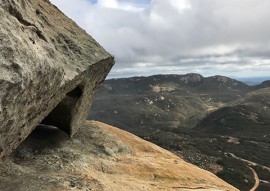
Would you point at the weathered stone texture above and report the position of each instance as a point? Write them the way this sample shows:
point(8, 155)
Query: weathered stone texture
point(49, 70)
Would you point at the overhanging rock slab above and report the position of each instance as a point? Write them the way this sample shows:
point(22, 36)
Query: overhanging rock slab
point(49, 70)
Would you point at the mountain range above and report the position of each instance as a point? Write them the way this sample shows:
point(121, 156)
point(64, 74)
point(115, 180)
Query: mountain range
point(217, 123)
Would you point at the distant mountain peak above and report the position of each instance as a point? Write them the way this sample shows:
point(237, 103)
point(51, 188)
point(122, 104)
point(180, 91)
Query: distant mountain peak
point(192, 78)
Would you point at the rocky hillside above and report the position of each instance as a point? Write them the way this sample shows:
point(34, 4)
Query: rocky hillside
point(159, 83)
point(162, 100)
point(99, 157)
point(264, 84)
point(245, 117)
point(199, 119)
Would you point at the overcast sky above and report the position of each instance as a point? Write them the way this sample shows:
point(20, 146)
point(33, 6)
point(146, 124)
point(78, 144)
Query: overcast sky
point(226, 37)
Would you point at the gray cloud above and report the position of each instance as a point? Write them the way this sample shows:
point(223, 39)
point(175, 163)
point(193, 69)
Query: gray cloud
point(228, 37)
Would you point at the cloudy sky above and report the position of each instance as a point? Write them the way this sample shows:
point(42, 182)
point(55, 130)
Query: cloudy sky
point(226, 37)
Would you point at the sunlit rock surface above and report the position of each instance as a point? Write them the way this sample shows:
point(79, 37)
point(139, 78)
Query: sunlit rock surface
point(100, 158)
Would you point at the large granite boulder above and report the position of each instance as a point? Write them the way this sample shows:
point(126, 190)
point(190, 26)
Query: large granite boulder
point(49, 70)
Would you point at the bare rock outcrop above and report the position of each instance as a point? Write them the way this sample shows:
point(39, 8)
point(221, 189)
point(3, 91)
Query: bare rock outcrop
point(49, 70)
point(111, 159)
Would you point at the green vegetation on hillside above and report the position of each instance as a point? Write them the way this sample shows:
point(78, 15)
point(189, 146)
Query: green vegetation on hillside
point(200, 119)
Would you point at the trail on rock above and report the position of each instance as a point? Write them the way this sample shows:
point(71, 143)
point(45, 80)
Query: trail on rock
point(250, 163)
point(256, 178)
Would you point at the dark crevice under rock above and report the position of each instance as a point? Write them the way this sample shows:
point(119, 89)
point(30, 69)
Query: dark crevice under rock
point(61, 115)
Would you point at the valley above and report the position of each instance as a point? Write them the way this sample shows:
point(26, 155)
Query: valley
point(201, 119)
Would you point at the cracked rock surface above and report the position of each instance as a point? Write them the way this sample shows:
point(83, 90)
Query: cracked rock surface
point(49, 70)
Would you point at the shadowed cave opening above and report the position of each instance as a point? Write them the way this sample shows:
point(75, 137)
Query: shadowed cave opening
point(42, 138)
point(62, 115)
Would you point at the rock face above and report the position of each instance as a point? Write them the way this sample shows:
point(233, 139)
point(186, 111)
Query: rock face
point(49, 70)
point(111, 159)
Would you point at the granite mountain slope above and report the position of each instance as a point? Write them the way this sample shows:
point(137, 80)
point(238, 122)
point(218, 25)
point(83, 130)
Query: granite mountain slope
point(99, 157)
